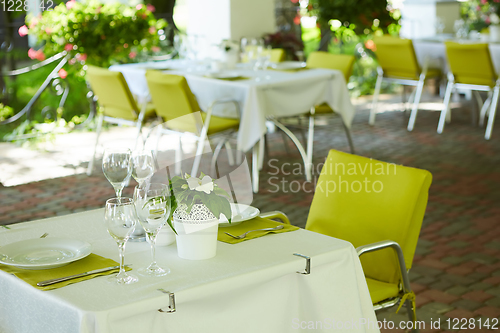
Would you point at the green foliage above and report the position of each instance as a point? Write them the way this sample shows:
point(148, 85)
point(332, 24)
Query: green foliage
point(5, 112)
point(99, 34)
point(358, 15)
point(216, 201)
point(345, 41)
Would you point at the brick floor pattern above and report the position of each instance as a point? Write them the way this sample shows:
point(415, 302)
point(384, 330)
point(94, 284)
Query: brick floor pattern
point(456, 271)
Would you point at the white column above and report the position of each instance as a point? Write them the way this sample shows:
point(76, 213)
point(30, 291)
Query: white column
point(216, 20)
point(418, 17)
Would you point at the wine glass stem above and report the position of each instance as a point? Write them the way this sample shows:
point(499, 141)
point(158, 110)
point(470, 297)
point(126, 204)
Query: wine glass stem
point(121, 250)
point(118, 191)
point(152, 242)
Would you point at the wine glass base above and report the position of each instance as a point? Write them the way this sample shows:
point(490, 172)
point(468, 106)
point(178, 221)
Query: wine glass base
point(137, 239)
point(124, 279)
point(153, 272)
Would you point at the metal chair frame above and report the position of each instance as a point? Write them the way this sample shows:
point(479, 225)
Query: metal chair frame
point(417, 94)
point(201, 140)
point(405, 280)
point(487, 108)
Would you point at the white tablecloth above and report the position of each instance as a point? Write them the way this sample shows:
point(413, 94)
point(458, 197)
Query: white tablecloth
point(248, 287)
point(434, 52)
point(267, 93)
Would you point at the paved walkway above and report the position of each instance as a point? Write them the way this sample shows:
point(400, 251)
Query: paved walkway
point(456, 272)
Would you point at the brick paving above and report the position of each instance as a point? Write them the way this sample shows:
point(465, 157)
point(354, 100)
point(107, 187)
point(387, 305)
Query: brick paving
point(456, 271)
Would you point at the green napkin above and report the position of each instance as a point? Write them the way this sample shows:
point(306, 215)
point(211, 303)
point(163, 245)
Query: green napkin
point(235, 78)
point(289, 70)
point(253, 224)
point(89, 263)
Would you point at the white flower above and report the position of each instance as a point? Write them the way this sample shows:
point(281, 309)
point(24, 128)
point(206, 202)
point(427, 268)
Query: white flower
point(204, 185)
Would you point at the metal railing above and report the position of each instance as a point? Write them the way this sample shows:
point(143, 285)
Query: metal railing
point(53, 83)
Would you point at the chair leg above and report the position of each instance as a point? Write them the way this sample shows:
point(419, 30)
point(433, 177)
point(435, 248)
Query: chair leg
point(446, 107)
point(310, 139)
point(98, 130)
point(484, 109)
point(255, 168)
point(349, 138)
point(411, 316)
point(283, 137)
point(178, 157)
point(493, 109)
point(158, 137)
point(304, 139)
point(418, 95)
point(261, 151)
point(139, 135)
point(197, 158)
point(373, 111)
point(474, 113)
point(299, 146)
point(230, 156)
point(215, 156)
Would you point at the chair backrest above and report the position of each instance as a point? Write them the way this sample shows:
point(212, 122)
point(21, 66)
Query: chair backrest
point(114, 96)
point(341, 62)
point(364, 201)
point(471, 63)
point(397, 57)
point(277, 55)
point(173, 99)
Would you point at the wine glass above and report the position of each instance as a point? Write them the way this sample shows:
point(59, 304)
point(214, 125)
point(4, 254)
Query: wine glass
point(142, 166)
point(116, 167)
point(152, 202)
point(120, 218)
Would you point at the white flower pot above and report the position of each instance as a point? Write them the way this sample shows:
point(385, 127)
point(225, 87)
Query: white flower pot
point(230, 59)
point(166, 236)
point(494, 33)
point(196, 232)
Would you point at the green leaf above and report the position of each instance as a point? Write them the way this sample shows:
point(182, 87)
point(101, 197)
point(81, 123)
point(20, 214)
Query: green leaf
point(220, 191)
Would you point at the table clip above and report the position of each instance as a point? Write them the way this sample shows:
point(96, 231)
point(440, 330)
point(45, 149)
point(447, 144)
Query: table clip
point(308, 263)
point(171, 303)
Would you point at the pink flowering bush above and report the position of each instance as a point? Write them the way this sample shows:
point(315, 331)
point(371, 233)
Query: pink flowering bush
point(481, 13)
point(95, 33)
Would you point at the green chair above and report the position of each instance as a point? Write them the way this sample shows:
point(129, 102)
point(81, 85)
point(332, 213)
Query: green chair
point(471, 68)
point(116, 103)
point(320, 59)
point(177, 105)
point(379, 208)
point(277, 55)
point(398, 64)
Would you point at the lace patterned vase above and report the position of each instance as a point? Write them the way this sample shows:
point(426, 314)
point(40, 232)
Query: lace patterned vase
point(196, 232)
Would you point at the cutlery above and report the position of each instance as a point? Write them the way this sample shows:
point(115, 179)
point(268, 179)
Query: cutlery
point(246, 233)
point(44, 235)
point(66, 278)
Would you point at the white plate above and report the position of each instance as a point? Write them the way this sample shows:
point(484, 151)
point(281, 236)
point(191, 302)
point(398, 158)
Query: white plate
point(288, 65)
point(43, 253)
point(240, 213)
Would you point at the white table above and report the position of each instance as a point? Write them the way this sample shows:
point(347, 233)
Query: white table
point(252, 286)
point(434, 52)
point(267, 93)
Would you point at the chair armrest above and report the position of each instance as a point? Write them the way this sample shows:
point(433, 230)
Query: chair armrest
point(399, 252)
point(276, 215)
